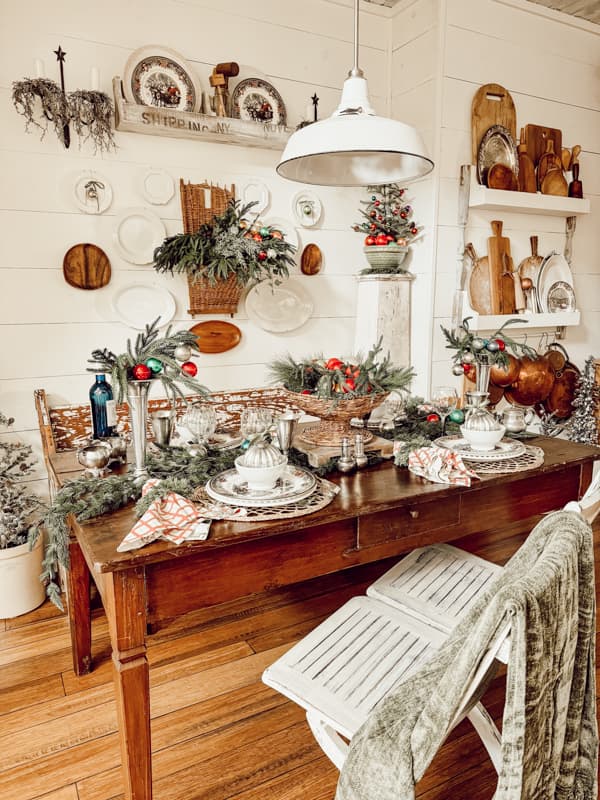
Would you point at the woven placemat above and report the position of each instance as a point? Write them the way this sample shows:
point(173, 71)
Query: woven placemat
point(324, 493)
point(532, 457)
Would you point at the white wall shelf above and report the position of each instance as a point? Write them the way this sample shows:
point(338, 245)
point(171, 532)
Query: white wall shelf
point(559, 319)
point(524, 202)
point(192, 125)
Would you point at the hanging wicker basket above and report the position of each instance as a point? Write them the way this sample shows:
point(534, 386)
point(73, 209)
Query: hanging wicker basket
point(221, 297)
point(206, 298)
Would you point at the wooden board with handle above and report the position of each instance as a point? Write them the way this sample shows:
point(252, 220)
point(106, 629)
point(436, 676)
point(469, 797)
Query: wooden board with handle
point(501, 281)
point(537, 138)
point(86, 266)
point(491, 105)
point(480, 296)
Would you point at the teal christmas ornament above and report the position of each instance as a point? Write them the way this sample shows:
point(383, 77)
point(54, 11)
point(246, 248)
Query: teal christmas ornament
point(154, 364)
point(457, 416)
point(264, 231)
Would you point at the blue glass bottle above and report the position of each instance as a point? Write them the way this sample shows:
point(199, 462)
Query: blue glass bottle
point(104, 408)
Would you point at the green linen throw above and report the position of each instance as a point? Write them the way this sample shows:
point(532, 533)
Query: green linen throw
point(549, 731)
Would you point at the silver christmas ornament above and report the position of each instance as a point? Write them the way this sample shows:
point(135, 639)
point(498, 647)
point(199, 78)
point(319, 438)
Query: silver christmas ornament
point(477, 343)
point(183, 352)
point(492, 346)
point(468, 358)
point(457, 370)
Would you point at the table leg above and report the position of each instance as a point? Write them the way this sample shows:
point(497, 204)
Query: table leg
point(125, 605)
point(78, 603)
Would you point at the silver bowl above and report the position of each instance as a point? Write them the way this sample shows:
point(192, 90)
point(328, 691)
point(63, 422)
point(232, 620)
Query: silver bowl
point(94, 457)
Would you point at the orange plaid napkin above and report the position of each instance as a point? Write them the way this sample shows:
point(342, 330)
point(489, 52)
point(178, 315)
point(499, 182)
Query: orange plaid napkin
point(440, 465)
point(172, 518)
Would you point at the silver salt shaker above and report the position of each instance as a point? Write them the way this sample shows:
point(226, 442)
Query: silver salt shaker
point(346, 461)
point(359, 451)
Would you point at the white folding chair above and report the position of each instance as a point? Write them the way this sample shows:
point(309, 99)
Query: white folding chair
point(341, 670)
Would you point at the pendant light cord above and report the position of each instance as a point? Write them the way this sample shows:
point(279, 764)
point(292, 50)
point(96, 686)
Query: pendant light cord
point(356, 71)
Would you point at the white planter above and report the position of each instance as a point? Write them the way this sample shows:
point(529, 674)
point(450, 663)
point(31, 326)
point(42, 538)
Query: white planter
point(383, 310)
point(20, 587)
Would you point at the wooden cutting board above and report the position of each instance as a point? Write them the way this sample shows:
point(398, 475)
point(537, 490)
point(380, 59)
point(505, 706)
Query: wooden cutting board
point(501, 281)
point(491, 105)
point(86, 266)
point(480, 296)
point(311, 259)
point(216, 336)
point(536, 137)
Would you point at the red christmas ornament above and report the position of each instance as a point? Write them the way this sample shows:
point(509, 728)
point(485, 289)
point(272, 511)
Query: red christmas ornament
point(373, 214)
point(380, 218)
point(389, 238)
point(276, 235)
point(403, 215)
point(373, 226)
point(501, 344)
point(370, 241)
point(433, 418)
point(414, 231)
point(377, 203)
point(141, 372)
point(381, 239)
point(470, 371)
point(306, 391)
point(257, 237)
point(262, 255)
point(189, 368)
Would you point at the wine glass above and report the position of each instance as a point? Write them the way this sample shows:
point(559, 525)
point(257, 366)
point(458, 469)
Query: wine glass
point(201, 420)
point(444, 399)
point(255, 421)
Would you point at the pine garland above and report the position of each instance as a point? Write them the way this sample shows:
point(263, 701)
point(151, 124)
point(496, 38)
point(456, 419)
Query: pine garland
point(465, 342)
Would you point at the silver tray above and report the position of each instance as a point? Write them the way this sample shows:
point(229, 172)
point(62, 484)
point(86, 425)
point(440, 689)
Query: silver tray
point(497, 147)
point(506, 448)
point(227, 487)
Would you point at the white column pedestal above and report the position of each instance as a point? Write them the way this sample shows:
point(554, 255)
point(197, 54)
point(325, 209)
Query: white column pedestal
point(383, 310)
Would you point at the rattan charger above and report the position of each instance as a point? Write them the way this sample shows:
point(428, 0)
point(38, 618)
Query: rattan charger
point(335, 415)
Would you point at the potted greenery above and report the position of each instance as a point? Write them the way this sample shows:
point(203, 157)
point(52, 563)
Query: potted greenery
point(224, 256)
point(20, 542)
point(388, 227)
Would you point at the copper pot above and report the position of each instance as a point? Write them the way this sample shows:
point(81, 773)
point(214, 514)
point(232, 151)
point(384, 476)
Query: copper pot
point(534, 382)
point(504, 376)
point(560, 400)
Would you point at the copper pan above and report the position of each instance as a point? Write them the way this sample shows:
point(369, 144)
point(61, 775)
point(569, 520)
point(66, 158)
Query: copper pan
point(534, 382)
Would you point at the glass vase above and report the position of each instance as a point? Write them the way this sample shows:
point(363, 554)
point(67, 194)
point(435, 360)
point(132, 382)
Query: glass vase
point(137, 400)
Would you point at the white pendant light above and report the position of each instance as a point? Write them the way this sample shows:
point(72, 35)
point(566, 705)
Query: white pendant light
point(355, 147)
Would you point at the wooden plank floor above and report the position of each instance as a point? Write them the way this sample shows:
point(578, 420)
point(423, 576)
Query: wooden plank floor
point(217, 731)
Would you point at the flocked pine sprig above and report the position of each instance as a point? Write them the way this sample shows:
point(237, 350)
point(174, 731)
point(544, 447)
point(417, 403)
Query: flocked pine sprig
point(493, 350)
point(149, 344)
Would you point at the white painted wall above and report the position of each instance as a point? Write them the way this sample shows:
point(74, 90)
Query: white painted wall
point(48, 328)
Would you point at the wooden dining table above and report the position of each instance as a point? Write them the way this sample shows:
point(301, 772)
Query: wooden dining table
point(379, 512)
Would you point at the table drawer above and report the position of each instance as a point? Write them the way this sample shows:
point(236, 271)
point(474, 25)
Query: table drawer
point(399, 523)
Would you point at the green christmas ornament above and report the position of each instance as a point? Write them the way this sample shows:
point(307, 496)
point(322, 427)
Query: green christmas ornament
point(154, 364)
point(264, 232)
point(457, 416)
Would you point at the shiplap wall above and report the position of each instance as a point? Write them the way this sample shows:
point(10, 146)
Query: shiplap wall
point(48, 328)
point(550, 64)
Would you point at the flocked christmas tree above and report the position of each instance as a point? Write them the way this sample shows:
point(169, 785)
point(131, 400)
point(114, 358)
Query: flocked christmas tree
point(387, 218)
point(583, 426)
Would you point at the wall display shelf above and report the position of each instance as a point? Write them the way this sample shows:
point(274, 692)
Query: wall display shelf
point(192, 125)
point(473, 195)
point(524, 202)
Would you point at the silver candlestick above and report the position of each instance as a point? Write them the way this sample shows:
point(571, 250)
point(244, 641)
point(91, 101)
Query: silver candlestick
point(137, 400)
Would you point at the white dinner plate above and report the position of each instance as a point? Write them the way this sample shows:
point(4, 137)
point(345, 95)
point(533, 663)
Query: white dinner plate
point(138, 304)
point(506, 448)
point(138, 232)
point(281, 308)
point(256, 192)
point(93, 193)
point(296, 484)
point(554, 269)
point(157, 187)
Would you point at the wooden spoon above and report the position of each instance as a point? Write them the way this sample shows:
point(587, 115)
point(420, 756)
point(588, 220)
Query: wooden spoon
point(311, 260)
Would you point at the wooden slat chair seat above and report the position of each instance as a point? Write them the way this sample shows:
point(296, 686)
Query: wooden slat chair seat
point(341, 670)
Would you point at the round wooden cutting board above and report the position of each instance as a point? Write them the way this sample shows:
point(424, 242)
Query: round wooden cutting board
point(216, 336)
point(86, 266)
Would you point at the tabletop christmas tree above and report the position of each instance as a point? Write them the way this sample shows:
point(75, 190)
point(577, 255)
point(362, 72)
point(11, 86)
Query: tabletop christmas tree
point(389, 228)
point(583, 426)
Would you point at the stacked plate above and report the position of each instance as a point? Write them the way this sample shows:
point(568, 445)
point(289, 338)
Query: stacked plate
point(295, 485)
point(554, 285)
point(506, 448)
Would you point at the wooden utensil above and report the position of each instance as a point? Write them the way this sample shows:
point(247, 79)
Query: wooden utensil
point(501, 177)
point(86, 266)
point(575, 187)
point(575, 156)
point(527, 182)
point(528, 269)
point(537, 138)
point(548, 161)
point(554, 183)
point(501, 281)
point(520, 302)
point(480, 295)
point(311, 259)
point(491, 105)
point(565, 157)
point(216, 336)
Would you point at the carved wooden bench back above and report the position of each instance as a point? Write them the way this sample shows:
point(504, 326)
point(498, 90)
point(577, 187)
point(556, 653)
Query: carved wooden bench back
point(69, 427)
